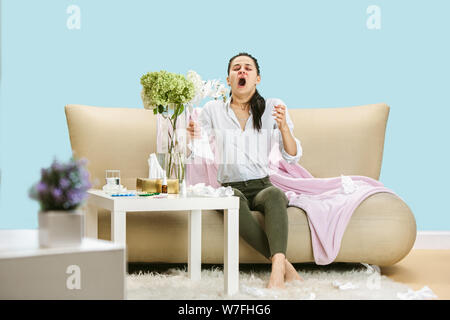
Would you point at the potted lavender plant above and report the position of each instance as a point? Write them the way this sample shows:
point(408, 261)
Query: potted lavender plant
point(60, 191)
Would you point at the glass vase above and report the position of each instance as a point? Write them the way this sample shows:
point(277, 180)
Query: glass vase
point(171, 140)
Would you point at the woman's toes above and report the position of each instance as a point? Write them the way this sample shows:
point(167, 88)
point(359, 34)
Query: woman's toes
point(277, 276)
point(276, 282)
point(291, 273)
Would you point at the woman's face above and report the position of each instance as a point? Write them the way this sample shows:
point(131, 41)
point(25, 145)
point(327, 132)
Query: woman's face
point(242, 76)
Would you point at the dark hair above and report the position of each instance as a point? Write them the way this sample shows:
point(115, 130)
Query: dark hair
point(257, 103)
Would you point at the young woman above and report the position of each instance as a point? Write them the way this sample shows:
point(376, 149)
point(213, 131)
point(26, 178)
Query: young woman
point(244, 129)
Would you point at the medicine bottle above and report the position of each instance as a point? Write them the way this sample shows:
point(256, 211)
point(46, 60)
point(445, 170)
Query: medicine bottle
point(164, 184)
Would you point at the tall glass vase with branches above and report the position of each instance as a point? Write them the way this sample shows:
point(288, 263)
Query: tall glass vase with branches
point(172, 97)
point(166, 94)
point(171, 138)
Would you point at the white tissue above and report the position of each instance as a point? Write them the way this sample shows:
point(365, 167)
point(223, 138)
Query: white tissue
point(424, 293)
point(201, 147)
point(371, 268)
point(154, 169)
point(312, 296)
point(344, 286)
point(348, 184)
point(207, 191)
point(256, 292)
point(260, 292)
point(112, 189)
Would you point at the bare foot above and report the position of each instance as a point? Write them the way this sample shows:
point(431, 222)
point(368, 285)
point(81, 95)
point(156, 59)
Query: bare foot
point(278, 272)
point(291, 273)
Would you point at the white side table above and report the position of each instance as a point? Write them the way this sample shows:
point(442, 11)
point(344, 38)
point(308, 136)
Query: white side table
point(120, 206)
point(94, 270)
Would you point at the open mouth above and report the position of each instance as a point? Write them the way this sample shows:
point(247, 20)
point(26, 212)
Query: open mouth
point(241, 82)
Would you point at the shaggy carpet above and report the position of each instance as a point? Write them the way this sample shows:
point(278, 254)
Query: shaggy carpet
point(333, 282)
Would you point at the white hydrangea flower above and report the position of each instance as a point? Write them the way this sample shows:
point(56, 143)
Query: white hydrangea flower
point(203, 89)
point(208, 88)
point(146, 101)
point(198, 85)
point(221, 91)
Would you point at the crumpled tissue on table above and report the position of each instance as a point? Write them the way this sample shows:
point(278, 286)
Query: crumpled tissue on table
point(201, 190)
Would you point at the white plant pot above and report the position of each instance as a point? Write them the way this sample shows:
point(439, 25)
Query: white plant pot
point(61, 228)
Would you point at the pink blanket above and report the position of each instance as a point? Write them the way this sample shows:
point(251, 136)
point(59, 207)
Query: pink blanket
point(328, 202)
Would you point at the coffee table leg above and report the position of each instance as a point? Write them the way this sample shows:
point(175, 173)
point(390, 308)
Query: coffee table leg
point(195, 245)
point(119, 226)
point(231, 251)
point(90, 221)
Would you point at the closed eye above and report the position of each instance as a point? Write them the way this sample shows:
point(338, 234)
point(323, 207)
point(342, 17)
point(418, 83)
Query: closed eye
point(237, 67)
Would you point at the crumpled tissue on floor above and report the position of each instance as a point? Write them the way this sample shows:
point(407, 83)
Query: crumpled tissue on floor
point(269, 293)
point(344, 286)
point(423, 294)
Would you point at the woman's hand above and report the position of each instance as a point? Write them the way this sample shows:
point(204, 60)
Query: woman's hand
point(279, 114)
point(193, 130)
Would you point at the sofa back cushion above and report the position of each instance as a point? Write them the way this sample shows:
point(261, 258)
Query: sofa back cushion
point(346, 141)
point(112, 138)
point(335, 141)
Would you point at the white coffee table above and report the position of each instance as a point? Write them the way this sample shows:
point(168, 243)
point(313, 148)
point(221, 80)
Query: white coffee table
point(93, 270)
point(120, 206)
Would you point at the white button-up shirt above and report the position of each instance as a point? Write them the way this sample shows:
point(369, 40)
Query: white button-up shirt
point(243, 154)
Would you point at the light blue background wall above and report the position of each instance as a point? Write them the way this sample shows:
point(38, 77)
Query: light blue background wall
point(313, 54)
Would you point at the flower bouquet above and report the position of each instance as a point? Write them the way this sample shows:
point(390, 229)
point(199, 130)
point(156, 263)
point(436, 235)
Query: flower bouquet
point(172, 97)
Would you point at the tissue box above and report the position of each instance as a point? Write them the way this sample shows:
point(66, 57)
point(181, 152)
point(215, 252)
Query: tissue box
point(155, 185)
point(148, 185)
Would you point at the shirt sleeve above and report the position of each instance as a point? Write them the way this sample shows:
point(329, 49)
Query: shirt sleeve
point(286, 156)
point(205, 118)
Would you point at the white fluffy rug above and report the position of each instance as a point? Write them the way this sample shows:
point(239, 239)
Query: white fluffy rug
point(331, 283)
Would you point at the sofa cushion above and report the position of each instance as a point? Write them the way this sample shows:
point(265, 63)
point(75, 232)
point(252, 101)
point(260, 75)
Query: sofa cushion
point(337, 141)
point(112, 138)
point(381, 231)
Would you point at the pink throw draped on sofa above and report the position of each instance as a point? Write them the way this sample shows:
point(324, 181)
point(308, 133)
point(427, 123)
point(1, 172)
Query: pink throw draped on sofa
point(328, 202)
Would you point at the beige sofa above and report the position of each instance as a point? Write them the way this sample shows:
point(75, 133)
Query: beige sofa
point(335, 141)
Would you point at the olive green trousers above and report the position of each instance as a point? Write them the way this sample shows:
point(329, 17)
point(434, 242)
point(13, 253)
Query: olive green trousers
point(260, 195)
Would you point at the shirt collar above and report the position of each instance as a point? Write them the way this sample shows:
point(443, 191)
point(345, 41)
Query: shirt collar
point(228, 103)
point(228, 106)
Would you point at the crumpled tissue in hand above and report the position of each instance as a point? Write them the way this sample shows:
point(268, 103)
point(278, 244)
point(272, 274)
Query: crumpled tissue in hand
point(207, 191)
point(348, 184)
point(201, 148)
